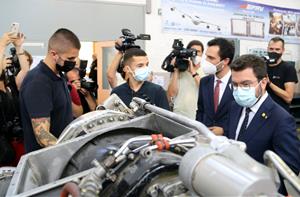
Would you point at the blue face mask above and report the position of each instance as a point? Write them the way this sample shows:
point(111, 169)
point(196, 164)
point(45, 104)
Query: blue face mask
point(245, 97)
point(141, 74)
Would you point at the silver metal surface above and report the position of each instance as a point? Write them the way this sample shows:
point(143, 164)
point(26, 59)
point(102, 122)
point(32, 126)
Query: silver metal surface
point(211, 165)
point(45, 166)
point(210, 173)
point(274, 161)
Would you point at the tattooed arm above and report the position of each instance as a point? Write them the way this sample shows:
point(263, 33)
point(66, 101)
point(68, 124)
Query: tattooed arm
point(41, 129)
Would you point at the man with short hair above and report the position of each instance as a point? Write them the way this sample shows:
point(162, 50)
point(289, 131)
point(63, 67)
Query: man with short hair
point(282, 77)
point(256, 119)
point(215, 94)
point(135, 67)
point(183, 87)
point(44, 97)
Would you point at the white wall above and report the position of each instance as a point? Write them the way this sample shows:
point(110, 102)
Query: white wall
point(160, 44)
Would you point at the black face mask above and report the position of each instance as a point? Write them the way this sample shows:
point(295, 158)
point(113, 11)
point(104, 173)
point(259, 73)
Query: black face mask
point(274, 57)
point(68, 65)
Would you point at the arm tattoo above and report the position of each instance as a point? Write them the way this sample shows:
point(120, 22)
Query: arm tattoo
point(41, 129)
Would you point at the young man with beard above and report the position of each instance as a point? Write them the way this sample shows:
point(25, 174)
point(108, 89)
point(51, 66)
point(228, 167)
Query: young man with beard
point(282, 77)
point(44, 96)
point(215, 94)
point(254, 118)
point(136, 69)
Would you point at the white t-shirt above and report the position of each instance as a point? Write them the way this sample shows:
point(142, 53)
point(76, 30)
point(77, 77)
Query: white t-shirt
point(185, 103)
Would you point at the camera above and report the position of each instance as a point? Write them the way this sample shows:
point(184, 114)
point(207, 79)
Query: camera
point(87, 84)
point(182, 54)
point(13, 128)
point(128, 39)
point(14, 68)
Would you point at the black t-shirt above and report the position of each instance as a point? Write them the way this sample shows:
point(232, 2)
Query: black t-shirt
point(93, 72)
point(7, 112)
point(151, 92)
point(84, 103)
point(44, 94)
point(279, 75)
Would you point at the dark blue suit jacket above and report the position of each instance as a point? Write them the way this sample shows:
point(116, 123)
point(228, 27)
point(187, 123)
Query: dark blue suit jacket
point(205, 112)
point(272, 128)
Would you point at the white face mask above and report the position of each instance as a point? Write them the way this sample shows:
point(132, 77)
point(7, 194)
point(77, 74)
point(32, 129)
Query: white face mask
point(196, 60)
point(209, 68)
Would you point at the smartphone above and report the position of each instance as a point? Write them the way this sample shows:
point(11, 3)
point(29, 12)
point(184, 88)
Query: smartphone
point(14, 28)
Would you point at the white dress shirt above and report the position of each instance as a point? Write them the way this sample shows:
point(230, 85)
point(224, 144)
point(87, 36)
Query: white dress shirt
point(223, 84)
point(252, 113)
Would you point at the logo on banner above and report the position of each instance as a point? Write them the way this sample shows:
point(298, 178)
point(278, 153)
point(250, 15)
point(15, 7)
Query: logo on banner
point(252, 7)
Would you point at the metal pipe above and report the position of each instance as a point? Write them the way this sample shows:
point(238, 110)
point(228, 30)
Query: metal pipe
point(175, 117)
point(274, 160)
point(135, 139)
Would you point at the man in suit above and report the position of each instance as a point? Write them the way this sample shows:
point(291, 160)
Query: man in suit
point(256, 119)
point(215, 94)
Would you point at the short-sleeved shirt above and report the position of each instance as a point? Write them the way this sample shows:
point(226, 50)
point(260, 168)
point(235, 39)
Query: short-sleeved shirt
point(279, 75)
point(44, 94)
point(185, 102)
point(151, 92)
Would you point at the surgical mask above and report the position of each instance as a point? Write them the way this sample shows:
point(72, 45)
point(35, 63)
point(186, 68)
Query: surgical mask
point(196, 60)
point(141, 74)
point(68, 65)
point(245, 97)
point(274, 56)
point(209, 68)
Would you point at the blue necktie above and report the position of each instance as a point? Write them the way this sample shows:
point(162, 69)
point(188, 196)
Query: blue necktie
point(245, 123)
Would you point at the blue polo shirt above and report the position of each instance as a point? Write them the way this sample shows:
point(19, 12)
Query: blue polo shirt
point(44, 94)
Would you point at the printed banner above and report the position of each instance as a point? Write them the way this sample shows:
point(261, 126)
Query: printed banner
point(232, 19)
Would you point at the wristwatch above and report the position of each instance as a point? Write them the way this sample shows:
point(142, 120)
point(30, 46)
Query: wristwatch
point(194, 75)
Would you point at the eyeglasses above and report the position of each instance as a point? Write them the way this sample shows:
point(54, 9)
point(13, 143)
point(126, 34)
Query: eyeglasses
point(245, 85)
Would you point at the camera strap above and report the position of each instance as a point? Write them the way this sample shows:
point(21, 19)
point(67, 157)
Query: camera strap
point(2, 105)
point(14, 101)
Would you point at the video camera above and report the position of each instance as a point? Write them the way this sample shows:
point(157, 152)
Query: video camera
point(128, 39)
point(89, 85)
point(182, 54)
point(14, 67)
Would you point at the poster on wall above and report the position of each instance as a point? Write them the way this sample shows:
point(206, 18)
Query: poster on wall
point(233, 19)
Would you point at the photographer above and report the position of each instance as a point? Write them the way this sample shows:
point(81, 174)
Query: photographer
point(11, 139)
point(111, 72)
point(93, 72)
point(183, 87)
point(82, 99)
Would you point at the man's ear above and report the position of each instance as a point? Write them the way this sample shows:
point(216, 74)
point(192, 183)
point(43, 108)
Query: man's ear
point(53, 54)
point(226, 61)
point(264, 82)
point(125, 68)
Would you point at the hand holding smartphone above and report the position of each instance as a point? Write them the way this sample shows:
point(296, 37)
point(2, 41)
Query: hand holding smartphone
point(15, 29)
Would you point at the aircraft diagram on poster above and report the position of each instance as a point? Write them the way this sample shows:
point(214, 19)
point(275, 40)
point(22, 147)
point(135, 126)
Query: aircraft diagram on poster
point(196, 19)
point(232, 19)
